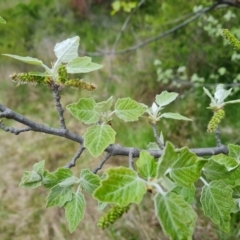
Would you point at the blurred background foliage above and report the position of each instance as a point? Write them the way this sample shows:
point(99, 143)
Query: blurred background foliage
point(184, 61)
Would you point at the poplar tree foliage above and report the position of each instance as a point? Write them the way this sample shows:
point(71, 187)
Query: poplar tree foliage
point(170, 178)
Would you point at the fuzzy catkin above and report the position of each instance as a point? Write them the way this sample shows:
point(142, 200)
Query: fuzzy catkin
point(215, 120)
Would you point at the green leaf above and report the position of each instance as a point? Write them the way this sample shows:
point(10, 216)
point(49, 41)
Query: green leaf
point(67, 50)
point(2, 20)
point(217, 203)
point(176, 116)
point(68, 182)
point(39, 167)
point(98, 137)
point(187, 168)
point(183, 166)
point(82, 65)
point(84, 110)
point(167, 159)
point(152, 146)
point(216, 171)
point(122, 187)
point(146, 165)
point(176, 216)
point(229, 162)
point(186, 193)
point(74, 210)
point(89, 180)
point(52, 179)
point(129, 110)
point(165, 98)
point(58, 196)
point(104, 106)
point(30, 180)
point(28, 60)
point(234, 152)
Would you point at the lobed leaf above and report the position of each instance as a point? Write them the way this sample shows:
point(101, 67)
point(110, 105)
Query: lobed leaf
point(234, 152)
point(98, 137)
point(39, 167)
point(122, 187)
point(129, 110)
point(82, 65)
point(104, 106)
point(74, 210)
point(146, 165)
point(58, 196)
point(52, 179)
point(175, 215)
point(30, 180)
point(165, 97)
point(229, 162)
point(67, 50)
point(89, 180)
point(84, 110)
point(217, 203)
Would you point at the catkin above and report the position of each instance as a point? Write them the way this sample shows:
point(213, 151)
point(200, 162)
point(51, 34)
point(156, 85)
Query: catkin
point(215, 120)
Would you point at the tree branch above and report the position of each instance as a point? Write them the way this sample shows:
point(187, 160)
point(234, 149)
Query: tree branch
point(37, 127)
point(102, 163)
point(112, 150)
point(72, 163)
point(57, 97)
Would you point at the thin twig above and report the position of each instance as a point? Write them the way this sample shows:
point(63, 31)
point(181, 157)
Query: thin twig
point(72, 163)
point(159, 142)
point(217, 136)
point(14, 130)
point(161, 35)
point(120, 33)
point(57, 97)
point(130, 156)
point(102, 163)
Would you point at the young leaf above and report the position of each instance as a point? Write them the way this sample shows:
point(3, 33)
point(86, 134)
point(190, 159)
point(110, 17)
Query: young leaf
point(122, 187)
point(234, 152)
point(129, 110)
point(89, 180)
point(165, 98)
point(30, 180)
point(39, 167)
point(68, 182)
point(2, 20)
point(176, 116)
point(58, 196)
point(104, 106)
point(209, 95)
point(146, 165)
point(84, 110)
point(82, 65)
point(229, 162)
point(176, 216)
point(52, 179)
point(98, 137)
point(40, 74)
point(167, 159)
point(74, 210)
point(217, 203)
point(28, 60)
point(67, 50)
